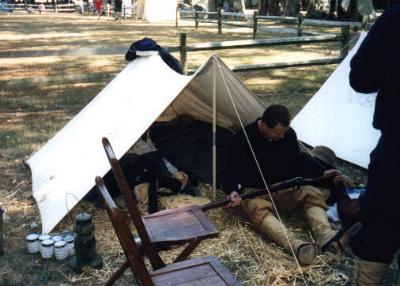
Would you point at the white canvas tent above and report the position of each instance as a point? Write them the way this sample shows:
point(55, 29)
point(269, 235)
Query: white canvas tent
point(339, 117)
point(127, 7)
point(63, 170)
point(156, 10)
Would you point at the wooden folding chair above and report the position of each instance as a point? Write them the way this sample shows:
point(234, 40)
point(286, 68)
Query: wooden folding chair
point(161, 230)
point(201, 271)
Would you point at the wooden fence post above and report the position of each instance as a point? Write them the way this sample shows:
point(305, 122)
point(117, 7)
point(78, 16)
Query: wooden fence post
point(196, 19)
point(219, 21)
point(299, 23)
point(255, 24)
point(55, 7)
point(344, 49)
point(176, 16)
point(183, 52)
point(355, 12)
point(124, 12)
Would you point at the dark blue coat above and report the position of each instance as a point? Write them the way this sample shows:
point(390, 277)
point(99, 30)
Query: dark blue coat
point(376, 67)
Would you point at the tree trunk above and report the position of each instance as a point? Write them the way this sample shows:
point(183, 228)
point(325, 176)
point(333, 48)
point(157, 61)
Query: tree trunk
point(262, 7)
point(290, 8)
point(273, 7)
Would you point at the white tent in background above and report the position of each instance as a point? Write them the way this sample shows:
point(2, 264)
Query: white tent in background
point(156, 10)
point(127, 7)
point(147, 90)
point(339, 117)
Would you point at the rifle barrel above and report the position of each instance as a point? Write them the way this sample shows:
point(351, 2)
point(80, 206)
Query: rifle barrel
point(291, 183)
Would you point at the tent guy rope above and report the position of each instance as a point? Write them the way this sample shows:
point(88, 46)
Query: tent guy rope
point(261, 174)
point(301, 87)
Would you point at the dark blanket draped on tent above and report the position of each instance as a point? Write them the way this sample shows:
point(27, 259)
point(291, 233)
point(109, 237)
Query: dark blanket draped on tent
point(187, 143)
point(148, 44)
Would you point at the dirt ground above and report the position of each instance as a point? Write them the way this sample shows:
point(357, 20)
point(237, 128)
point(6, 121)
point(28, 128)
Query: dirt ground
point(38, 97)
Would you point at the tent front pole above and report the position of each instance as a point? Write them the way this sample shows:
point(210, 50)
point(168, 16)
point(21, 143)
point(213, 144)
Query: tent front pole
point(214, 128)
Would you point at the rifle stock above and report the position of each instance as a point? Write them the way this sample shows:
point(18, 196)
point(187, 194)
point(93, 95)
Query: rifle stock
point(323, 181)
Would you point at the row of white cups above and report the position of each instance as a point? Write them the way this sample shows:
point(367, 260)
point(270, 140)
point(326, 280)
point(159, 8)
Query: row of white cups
point(60, 245)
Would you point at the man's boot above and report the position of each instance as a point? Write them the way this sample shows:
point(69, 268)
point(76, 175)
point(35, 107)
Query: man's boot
point(305, 251)
point(318, 221)
point(368, 273)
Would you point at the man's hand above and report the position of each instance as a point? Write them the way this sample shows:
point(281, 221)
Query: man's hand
point(336, 174)
point(234, 199)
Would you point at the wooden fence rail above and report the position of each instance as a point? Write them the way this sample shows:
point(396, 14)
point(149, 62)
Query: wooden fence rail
point(282, 65)
point(343, 39)
point(299, 21)
point(49, 8)
point(264, 42)
point(127, 11)
point(311, 22)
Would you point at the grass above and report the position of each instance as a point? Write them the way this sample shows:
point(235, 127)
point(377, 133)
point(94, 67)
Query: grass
point(37, 98)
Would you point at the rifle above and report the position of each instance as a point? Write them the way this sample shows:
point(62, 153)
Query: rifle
point(322, 182)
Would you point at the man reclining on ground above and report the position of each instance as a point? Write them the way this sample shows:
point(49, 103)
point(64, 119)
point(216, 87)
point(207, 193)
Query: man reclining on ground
point(274, 144)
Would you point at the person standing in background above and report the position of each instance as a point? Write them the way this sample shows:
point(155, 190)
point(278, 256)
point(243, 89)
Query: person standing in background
point(118, 9)
point(81, 7)
point(99, 8)
point(108, 5)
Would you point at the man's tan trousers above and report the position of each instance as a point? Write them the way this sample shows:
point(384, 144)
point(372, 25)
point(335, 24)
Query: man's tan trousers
point(286, 200)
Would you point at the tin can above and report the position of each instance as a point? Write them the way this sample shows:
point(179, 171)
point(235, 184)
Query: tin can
point(60, 250)
point(42, 238)
point(67, 232)
point(56, 238)
point(33, 243)
point(69, 240)
point(47, 249)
